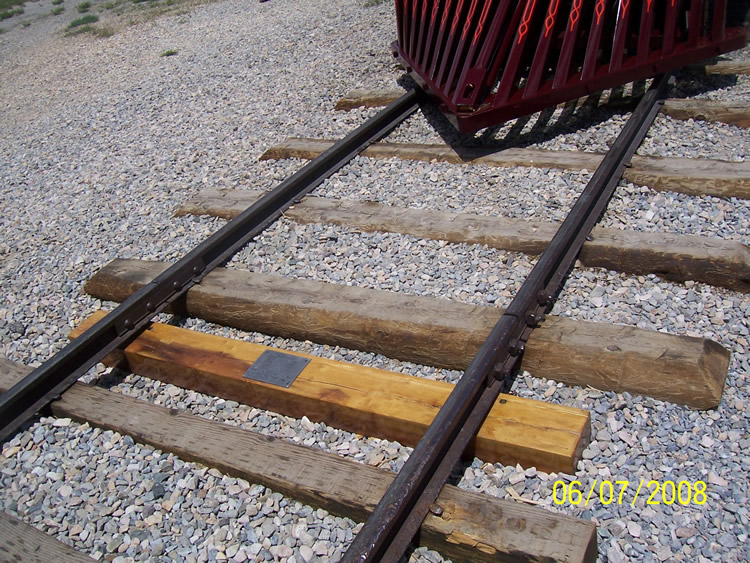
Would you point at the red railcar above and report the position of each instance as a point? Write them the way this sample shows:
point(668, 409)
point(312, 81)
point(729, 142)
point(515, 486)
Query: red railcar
point(490, 61)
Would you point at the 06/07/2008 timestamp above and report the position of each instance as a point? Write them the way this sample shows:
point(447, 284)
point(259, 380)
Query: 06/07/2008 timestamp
point(607, 492)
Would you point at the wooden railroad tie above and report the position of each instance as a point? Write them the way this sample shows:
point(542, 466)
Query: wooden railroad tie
point(21, 542)
point(723, 67)
point(718, 262)
point(439, 332)
point(364, 400)
point(472, 526)
point(733, 113)
point(693, 176)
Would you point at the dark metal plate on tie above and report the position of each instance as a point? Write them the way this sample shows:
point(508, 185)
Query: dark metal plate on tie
point(276, 368)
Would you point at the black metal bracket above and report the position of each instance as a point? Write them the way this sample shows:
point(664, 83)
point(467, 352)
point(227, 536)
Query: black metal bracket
point(276, 368)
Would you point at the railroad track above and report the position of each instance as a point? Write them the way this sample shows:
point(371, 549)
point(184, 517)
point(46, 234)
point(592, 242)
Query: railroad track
point(122, 329)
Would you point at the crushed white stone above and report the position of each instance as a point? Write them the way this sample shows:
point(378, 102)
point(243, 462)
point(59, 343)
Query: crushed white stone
point(103, 139)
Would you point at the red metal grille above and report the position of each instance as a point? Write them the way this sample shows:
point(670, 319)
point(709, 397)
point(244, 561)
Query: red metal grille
point(491, 61)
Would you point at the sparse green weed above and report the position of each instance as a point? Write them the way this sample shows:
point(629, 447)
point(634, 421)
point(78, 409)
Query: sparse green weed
point(129, 12)
point(168, 53)
point(10, 13)
point(103, 32)
point(92, 29)
point(87, 19)
point(111, 5)
point(6, 5)
point(80, 29)
point(57, 10)
point(83, 7)
point(57, 2)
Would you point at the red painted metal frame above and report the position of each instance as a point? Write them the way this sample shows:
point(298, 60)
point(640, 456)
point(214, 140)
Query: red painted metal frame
point(489, 61)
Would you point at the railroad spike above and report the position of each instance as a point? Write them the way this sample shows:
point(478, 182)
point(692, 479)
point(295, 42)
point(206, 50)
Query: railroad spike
point(534, 319)
point(544, 298)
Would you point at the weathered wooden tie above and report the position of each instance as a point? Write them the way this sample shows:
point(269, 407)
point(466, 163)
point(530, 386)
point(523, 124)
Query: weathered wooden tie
point(693, 176)
point(675, 257)
point(723, 67)
point(733, 113)
point(365, 400)
point(439, 332)
point(367, 98)
point(22, 542)
point(472, 526)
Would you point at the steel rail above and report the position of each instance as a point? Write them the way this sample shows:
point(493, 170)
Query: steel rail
point(390, 528)
point(47, 382)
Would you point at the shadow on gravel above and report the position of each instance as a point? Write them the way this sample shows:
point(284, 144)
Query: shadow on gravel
point(111, 379)
point(569, 118)
point(695, 82)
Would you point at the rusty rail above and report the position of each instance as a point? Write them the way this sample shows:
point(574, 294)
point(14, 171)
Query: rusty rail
point(47, 382)
point(391, 527)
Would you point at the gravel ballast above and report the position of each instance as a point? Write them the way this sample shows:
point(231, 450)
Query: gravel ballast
point(104, 139)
